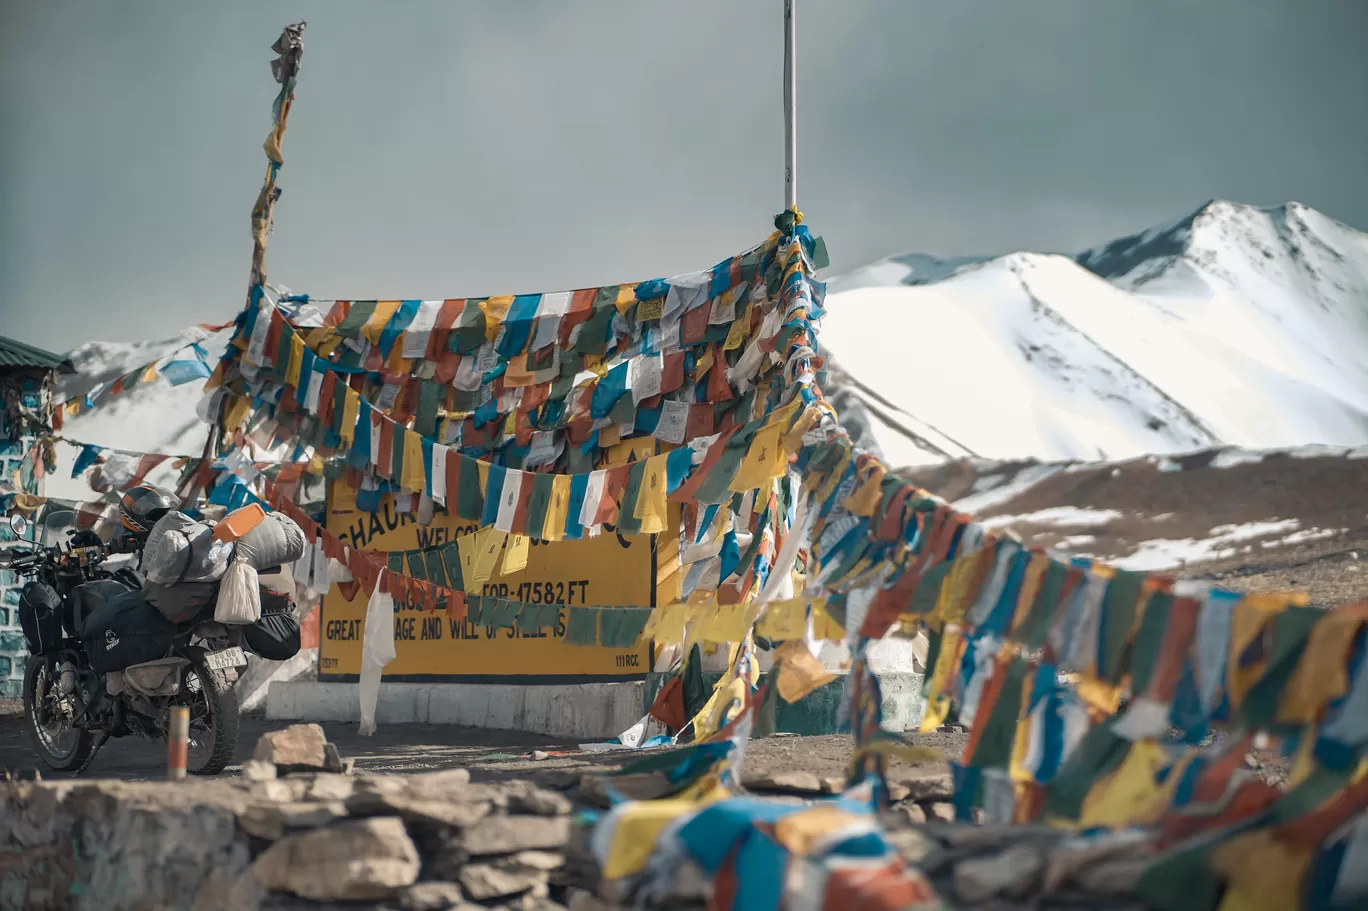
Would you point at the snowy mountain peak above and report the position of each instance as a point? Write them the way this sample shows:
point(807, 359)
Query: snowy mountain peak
point(1234, 325)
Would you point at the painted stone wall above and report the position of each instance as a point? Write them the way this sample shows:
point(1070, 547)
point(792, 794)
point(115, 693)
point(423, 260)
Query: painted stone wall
point(15, 441)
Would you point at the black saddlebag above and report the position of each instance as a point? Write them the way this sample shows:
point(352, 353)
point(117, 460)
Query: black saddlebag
point(275, 636)
point(126, 631)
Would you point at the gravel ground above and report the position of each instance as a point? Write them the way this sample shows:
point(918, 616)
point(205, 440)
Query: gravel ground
point(490, 755)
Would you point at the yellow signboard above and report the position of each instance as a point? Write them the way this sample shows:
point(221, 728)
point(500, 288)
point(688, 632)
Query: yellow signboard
point(607, 570)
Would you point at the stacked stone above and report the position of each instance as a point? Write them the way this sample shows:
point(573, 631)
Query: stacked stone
point(1002, 867)
point(300, 831)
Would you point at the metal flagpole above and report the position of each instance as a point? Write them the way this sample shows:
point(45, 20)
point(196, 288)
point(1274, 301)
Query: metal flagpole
point(790, 115)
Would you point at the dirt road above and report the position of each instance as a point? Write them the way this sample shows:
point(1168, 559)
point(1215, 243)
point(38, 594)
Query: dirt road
point(490, 755)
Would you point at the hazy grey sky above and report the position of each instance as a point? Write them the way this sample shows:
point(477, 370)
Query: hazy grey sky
point(446, 149)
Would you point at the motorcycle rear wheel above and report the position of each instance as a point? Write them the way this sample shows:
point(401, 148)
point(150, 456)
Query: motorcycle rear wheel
point(75, 745)
point(213, 716)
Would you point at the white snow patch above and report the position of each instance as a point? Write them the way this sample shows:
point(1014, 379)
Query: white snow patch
point(983, 500)
point(1059, 516)
point(1165, 553)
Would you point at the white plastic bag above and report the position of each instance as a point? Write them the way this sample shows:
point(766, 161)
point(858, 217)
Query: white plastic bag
point(239, 598)
point(377, 650)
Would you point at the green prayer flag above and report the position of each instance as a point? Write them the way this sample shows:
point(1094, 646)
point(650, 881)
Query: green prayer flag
point(1099, 753)
point(1035, 626)
point(395, 561)
point(820, 258)
point(435, 572)
point(928, 589)
point(501, 614)
point(429, 396)
point(1118, 616)
point(537, 504)
point(627, 523)
point(469, 496)
point(1149, 640)
point(417, 564)
point(469, 332)
point(358, 314)
point(451, 560)
point(582, 628)
point(622, 626)
point(1290, 631)
point(475, 605)
point(529, 618)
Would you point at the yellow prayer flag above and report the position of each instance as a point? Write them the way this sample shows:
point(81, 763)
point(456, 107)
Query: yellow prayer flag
point(351, 402)
point(799, 673)
point(783, 620)
point(651, 506)
point(667, 623)
point(736, 335)
point(626, 298)
point(237, 413)
point(764, 461)
point(1128, 796)
point(651, 309)
point(558, 510)
point(381, 316)
point(468, 547)
point(515, 554)
point(489, 543)
point(414, 476)
point(495, 311)
point(726, 623)
point(149, 374)
point(703, 363)
point(296, 360)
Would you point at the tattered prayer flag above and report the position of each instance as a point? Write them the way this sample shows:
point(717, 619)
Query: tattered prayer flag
point(620, 627)
point(515, 554)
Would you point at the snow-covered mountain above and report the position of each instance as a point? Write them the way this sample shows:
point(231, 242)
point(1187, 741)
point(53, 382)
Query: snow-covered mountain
point(1235, 325)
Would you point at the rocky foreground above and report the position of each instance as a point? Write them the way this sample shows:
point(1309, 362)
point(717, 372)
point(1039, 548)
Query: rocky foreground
point(299, 830)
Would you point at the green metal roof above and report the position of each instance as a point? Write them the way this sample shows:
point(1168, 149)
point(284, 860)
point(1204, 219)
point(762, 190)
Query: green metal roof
point(15, 353)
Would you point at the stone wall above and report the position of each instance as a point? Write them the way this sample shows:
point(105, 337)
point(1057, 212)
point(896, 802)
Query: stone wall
point(298, 831)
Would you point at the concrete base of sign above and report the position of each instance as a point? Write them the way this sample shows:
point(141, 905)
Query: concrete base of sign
point(256, 681)
point(582, 712)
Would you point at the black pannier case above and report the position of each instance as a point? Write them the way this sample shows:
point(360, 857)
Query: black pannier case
point(40, 616)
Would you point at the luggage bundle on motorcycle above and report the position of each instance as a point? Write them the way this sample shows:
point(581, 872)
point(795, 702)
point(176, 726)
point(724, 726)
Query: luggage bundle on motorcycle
point(40, 617)
point(265, 540)
point(125, 631)
point(182, 561)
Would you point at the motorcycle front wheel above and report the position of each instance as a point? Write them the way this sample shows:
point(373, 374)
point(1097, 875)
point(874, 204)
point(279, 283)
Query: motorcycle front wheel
point(213, 716)
point(48, 716)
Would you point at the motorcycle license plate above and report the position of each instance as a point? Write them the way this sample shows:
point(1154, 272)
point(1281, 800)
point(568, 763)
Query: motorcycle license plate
point(225, 659)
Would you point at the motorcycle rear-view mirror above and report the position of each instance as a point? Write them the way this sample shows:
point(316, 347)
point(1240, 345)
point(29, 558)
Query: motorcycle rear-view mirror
point(19, 524)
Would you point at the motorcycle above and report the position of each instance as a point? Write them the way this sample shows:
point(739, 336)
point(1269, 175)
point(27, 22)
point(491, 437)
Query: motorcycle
point(71, 709)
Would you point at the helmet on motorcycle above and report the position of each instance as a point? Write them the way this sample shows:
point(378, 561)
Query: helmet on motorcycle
point(143, 505)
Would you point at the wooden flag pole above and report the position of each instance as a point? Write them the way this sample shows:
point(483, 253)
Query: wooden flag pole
point(289, 48)
point(790, 114)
